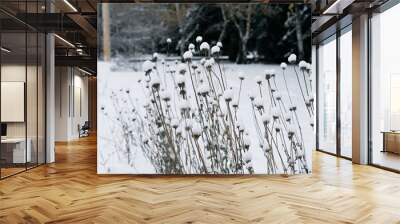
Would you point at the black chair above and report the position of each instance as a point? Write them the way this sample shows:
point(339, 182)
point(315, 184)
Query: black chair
point(84, 130)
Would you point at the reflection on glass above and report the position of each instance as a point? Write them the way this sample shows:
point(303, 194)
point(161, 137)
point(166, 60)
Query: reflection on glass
point(31, 101)
point(346, 93)
point(327, 96)
point(385, 86)
point(41, 99)
point(13, 86)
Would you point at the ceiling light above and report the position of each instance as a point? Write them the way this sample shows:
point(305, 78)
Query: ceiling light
point(337, 7)
point(70, 5)
point(65, 41)
point(329, 9)
point(84, 71)
point(5, 50)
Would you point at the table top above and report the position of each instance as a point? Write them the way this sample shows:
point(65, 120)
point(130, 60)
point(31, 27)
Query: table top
point(391, 132)
point(13, 140)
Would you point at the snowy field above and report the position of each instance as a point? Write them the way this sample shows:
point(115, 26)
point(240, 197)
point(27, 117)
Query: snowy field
point(116, 155)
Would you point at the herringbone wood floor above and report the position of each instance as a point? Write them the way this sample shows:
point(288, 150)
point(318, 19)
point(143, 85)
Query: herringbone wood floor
point(70, 191)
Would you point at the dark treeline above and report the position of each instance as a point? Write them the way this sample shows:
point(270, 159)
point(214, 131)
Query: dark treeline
point(267, 32)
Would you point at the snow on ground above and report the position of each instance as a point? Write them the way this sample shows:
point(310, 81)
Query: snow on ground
point(109, 81)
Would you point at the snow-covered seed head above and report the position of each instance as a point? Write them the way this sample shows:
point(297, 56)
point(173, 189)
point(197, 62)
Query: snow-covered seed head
point(302, 65)
point(308, 67)
point(181, 68)
point(191, 47)
point(292, 108)
point(184, 105)
point(169, 40)
point(291, 131)
point(203, 89)
point(312, 122)
point(278, 127)
point(195, 66)
point(209, 63)
point(307, 101)
point(199, 39)
point(267, 149)
point(155, 56)
point(275, 113)
point(188, 123)
point(268, 73)
point(235, 102)
point(283, 65)
point(147, 66)
point(249, 165)
point(266, 118)
point(179, 131)
point(196, 129)
point(203, 61)
point(175, 123)
point(258, 79)
point(188, 55)
point(204, 47)
point(252, 96)
point(240, 125)
point(247, 157)
point(215, 50)
point(288, 117)
point(278, 96)
point(219, 44)
point(258, 102)
point(155, 82)
point(241, 76)
point(166, 96)
point(228, 95)
point(180, 80)
point(246, 141)
point(292, 58)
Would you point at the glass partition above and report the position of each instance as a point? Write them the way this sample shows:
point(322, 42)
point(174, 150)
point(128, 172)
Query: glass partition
point(327, 96)
point(346, 93)
point(22, 77)
point(13, 109)
point(385, 89)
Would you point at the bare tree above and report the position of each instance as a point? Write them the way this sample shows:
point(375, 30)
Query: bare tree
point(106, 32)
point(241, 18)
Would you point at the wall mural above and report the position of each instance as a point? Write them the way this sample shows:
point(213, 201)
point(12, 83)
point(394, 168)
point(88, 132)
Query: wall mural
point(206, 89)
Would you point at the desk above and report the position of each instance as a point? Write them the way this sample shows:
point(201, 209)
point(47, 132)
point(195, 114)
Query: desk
point(391, 141)
point(15, 148)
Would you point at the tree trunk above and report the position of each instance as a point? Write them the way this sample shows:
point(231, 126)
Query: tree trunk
point(106, 32)
point(241, 57)
point(181, 45)
point(299, 35)
point(244, 36)
point(226, 21)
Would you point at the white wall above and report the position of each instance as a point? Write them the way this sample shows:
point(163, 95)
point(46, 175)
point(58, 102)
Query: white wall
point(71, 94)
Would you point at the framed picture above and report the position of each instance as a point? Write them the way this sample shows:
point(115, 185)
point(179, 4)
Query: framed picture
point(205, 89)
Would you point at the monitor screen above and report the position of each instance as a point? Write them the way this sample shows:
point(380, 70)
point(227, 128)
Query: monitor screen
point(3, 129)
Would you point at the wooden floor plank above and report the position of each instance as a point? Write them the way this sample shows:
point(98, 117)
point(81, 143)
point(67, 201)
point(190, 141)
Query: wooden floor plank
point(70, 191)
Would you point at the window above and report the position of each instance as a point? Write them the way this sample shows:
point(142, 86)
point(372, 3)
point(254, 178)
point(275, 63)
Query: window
point(385, 89)
point(327, 96)
point(346, 92)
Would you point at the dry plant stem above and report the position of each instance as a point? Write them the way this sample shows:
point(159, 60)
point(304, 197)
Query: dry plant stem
point(305, 82)
point(286, 85)
point(301, 89)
